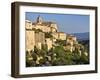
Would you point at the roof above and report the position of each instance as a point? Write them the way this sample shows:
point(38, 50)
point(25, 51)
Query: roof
point(44, 23)
point(27, 21)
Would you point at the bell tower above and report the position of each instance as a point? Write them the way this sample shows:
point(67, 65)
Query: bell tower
point(39, 20)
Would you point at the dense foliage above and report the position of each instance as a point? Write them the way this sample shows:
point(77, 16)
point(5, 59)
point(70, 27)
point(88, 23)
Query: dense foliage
point(48, 35)
point(55, 56)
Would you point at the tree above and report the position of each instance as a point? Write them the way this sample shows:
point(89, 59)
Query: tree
point(62, 57)
point(61, 42)
point(37, 30)
point(36, 50)
point(84, 59)
point(29, 59)
point(48, 35)
point(76, 56)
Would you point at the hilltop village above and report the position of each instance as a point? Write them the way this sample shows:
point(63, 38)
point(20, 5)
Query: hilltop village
point(45, 35)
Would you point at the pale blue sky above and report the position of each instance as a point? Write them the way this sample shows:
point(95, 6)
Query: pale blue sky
point(67, 23)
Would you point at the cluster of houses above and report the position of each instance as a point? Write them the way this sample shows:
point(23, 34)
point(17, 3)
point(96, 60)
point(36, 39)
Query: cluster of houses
point(34, 38)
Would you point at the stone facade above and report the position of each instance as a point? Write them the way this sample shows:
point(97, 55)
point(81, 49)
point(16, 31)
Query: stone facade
point(44, 26)
point(29, 40)
point(28, 24)
point(71, 40)
point(55, 35)
point(49, 43)
point(61, 35)
point(39, 39)
point(34, 38)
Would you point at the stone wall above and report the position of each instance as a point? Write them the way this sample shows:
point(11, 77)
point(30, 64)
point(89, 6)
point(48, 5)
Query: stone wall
point(29, 40)
point(49, 43)
point(61, 35)
point(39, 39)
point(28, 24)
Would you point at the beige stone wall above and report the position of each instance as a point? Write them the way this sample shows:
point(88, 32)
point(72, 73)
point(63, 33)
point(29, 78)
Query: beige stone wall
point(49, 43)
point(69, 41)
point(69, 47)
point(42, 27)
point(39, 45)
point(61, 35)
point(54, 26)
point(46, 29)
point(39, 39)
point(28, 24)
point(71, 37)
point(29, 39)
point(53, 30)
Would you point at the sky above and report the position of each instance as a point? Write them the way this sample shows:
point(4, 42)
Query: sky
point(68, 23)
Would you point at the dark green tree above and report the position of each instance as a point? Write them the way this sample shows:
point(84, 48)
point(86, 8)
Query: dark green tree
point(48, 35)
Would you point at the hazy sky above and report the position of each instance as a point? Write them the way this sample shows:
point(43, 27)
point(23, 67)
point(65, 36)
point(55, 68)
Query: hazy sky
point(66, 22)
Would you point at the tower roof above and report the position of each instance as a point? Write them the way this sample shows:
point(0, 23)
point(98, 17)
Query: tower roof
point(39, 19)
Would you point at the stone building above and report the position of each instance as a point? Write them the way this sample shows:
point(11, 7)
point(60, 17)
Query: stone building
point(29, 40)
point(59, 35)
point(35, 35)
point(45, 26)
point(55, 35)
point(39, 39)
point(53, 27)
point(62, 35)
point(69, 48)
point(29, 36)
point(49, 43)
point(71, 40)
point(28, 24)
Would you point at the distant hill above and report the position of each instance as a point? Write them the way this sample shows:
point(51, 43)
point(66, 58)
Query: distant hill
point(82, 36)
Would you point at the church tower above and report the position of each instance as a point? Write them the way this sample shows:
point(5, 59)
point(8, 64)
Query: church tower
point(39, 20)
